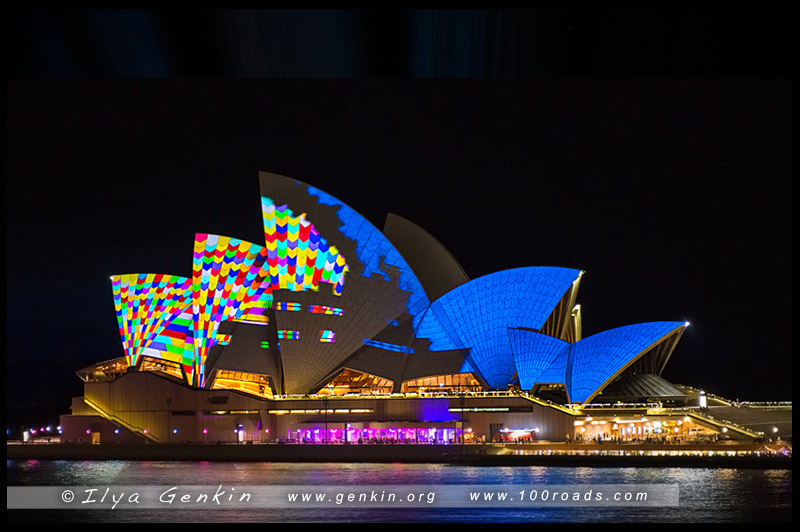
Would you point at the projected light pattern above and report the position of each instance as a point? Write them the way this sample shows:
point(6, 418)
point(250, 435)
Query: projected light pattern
point(298, 257)
point(376, 253)
point(387, 346)
point(594, 360)
point(588, 365)
point(257, 313)
point(533, 354)
point(321, 309)
point(174, 342)
point(476, 316)
point(556, 372)
point(145, 304)
point(489, 326)
point(228, 277)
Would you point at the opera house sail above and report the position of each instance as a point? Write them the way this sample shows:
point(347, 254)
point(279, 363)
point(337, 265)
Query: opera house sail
point(386, 324)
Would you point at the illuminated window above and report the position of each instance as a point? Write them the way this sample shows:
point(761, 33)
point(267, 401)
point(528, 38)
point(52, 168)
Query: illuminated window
point(454, 382)
point(107, 371)
point(252, 383)
point(327, 337)
point(351, 381)
point(161, 366)
point(485, 409)
point(322, 309)
point(288, 335)
point(288, 305)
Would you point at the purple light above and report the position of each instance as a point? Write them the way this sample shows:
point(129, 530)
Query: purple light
point(205, 431)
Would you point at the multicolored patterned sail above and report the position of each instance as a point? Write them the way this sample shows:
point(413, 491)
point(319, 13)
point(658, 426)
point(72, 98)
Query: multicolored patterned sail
point(229, 276)
point(145, 305)
point(299, 258)
point(174, 343)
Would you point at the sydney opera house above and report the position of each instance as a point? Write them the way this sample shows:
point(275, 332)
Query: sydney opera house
point(332, 330)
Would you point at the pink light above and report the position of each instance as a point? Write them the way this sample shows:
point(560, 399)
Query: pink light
point(205, 431)
point(88, 431)
point(145, 431)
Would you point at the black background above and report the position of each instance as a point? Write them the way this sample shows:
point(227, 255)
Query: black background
point(651, 149)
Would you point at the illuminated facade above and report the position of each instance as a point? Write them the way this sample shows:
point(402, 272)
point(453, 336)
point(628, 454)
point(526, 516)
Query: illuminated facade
point(331, 306)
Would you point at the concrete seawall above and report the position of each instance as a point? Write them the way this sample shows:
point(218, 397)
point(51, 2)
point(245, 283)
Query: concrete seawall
point(446, 454)
point(234, 453)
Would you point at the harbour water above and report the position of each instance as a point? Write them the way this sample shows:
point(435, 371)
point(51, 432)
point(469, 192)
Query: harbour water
point(706, 495)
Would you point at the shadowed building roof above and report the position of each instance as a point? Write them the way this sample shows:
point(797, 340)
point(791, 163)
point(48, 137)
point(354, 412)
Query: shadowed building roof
point(647, 387)
point(436, 268)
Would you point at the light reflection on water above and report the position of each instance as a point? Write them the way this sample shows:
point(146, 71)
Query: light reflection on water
point(706, 495)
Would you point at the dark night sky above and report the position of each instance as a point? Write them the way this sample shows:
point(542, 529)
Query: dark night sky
point(674, 195)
